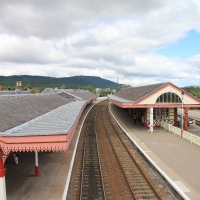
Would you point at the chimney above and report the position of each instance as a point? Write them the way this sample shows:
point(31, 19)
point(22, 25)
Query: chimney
point(18, 87)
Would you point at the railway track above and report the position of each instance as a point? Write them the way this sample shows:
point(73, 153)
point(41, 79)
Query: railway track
point(140, 186)
point(91, 181)
point(108, 166)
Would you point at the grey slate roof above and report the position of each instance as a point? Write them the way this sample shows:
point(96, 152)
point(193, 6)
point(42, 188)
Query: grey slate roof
point(119, 99)
point(18, 109)
point(58, 121)
point(7, 92)
point(136, 93)
point(78, 94)
point(66, 95)
point(48, 91)
point(13, 92)
point(85, 95)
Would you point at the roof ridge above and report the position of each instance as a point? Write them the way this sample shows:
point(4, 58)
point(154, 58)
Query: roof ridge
point(153, 84)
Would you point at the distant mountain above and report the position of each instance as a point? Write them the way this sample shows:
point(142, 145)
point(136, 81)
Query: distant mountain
point(52, 82)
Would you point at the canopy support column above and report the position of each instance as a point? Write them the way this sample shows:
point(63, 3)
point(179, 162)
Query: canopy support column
point(2, 184)
point(186, 119)
point(151, 121)
point(37, 170)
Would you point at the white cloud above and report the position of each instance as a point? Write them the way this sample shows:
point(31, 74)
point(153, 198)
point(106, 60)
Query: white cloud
point(28, 50)
point(106, 38)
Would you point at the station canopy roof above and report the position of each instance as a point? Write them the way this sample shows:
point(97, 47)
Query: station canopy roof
point(77, 94)
point(155, 95)
point(18, 109)
point(136, 93)
point(57, 121)
point(41, 122)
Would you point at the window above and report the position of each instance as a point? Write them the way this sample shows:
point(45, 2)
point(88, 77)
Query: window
point(169, 97)
point(160, 113)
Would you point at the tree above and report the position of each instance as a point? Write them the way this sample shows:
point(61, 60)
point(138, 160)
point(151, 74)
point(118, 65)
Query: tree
point(90, 88)
point(26, 87)
point(63, 87)
point(118, 89)
point(195, 91)
point(104, 93)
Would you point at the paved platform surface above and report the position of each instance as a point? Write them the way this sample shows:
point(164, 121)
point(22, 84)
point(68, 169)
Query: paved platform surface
point(176, 157)
point(179, 159)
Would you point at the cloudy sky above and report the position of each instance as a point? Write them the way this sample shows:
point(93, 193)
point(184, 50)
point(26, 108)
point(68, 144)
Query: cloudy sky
point(137, 42)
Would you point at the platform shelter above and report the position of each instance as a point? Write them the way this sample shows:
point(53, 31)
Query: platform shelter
point(151, 104)
point(39, 122)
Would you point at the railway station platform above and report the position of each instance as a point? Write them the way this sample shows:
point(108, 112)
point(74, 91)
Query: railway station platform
point(176, 157)
point(21, 183)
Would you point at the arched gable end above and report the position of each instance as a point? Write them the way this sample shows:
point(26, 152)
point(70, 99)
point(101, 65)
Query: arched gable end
point(152, 98)
point(168, 97)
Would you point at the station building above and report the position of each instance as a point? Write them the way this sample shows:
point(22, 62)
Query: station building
point(154, 103)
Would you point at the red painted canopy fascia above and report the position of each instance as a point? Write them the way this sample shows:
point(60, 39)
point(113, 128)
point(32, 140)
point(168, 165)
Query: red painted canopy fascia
point(132, 105)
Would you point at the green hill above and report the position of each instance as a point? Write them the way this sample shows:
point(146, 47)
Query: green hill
point(194, 90)
point(52, 82)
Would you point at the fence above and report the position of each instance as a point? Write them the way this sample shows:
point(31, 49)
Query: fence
point(184, 134)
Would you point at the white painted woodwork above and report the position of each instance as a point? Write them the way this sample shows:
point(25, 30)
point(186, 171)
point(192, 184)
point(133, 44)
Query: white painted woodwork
point(151, 119)
point(2, 188)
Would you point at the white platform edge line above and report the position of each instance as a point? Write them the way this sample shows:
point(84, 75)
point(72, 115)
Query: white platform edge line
point(151, 161)
point(72, 160)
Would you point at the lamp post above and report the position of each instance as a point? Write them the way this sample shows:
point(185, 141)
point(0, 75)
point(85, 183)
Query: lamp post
point(182, 94)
